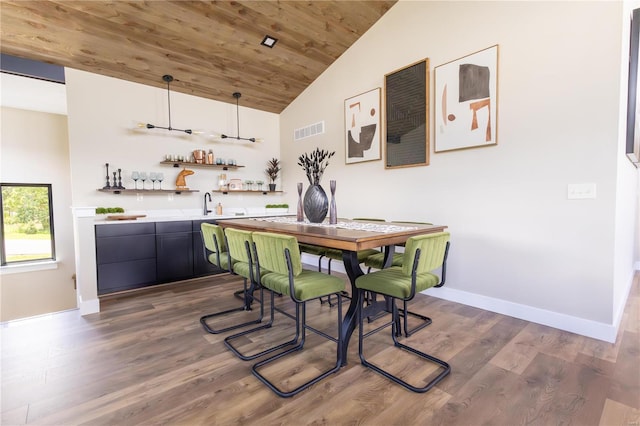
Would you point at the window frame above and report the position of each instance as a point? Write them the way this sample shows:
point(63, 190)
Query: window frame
point(3, 252)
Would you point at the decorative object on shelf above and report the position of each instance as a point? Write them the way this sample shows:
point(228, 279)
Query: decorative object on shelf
point(167, 79)
point(316, 203)
point(237, 96)
point(259, 183)
point(108, 185)
point(300, 212)
point(362, 122)
point(135, 176)
point(181, 182)
point(160, 177)
point(333, 214)
point(143, 178)
point(272, 170)
point(120, 179)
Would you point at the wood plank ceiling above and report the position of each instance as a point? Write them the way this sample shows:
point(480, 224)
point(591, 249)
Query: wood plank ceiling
point(212, 49)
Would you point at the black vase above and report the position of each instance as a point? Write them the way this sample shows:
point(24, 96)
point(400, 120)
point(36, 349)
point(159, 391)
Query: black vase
point(316, 204)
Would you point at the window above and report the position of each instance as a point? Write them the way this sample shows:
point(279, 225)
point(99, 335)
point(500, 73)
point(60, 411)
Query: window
point(26, 215)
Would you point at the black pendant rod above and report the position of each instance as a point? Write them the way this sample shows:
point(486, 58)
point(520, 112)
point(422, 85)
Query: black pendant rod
point(237, 96)
point(168, 79)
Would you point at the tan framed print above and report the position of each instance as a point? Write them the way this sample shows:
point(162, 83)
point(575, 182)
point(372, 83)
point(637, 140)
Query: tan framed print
point(466, 101)
point(362, 127)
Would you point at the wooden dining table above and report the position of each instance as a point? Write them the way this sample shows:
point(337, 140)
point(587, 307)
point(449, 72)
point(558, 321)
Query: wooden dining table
point(348, 236)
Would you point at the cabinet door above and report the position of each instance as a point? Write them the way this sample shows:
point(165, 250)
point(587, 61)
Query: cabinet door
point(125, 256)
point(174, 253)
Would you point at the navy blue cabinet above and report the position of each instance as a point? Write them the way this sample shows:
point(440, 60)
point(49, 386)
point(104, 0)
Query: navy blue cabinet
point(125, 256)
point(174, 251)
point(134, 255)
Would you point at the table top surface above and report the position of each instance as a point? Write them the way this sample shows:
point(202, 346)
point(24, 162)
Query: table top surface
point(344, 235)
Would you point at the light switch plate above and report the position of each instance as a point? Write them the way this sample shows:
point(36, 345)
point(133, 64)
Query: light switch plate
point(581, 191)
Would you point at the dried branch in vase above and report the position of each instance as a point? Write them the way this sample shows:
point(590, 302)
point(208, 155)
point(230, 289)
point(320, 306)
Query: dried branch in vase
point(314, 164)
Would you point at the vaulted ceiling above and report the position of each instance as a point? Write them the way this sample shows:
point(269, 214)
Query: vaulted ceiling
point(212, 49)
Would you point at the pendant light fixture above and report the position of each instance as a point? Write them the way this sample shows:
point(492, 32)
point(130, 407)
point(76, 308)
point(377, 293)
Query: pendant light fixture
point(237, 96)
point(168, 79)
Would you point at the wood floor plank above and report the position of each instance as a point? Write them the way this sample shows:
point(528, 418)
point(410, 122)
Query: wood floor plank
point(145, 359)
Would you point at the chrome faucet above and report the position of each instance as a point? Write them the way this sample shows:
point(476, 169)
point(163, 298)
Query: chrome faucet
point(205, 211)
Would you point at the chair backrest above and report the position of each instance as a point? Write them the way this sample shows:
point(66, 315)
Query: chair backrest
point(271, 248)
point(212, 234)
point(369, 219)
point(432, 249)
point(236, 242)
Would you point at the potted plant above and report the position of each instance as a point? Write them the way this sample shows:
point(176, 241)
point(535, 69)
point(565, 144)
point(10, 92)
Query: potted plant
point(316, 203)
point(277, 208)
point(272, 170)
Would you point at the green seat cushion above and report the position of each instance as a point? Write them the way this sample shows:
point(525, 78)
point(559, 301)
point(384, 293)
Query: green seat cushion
point(362, 254)
point(308, 284)
point(312, 249)
point(242, 269)
point(376, 260)
point(224, 260)
point(393, 282)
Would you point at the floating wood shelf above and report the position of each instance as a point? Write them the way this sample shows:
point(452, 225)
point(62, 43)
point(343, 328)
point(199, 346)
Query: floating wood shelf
point(211, 166)
point(246, 192)
point(147, 191)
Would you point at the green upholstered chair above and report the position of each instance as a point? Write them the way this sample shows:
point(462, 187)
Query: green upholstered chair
point(281, 256)
point(231, 249)
point(423, 254)
point(376, 261)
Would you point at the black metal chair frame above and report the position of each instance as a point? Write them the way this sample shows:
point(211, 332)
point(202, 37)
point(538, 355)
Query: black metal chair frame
point(248, 296)
point(272, 309)
point(301, 328)
point(394, 323)
point(405, 313)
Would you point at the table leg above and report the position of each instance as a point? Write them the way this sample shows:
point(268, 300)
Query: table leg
point(352, 267)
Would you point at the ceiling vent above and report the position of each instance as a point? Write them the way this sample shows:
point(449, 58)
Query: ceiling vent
point(308, 131)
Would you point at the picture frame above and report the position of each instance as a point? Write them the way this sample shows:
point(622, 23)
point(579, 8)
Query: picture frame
point(466, 101)
point(633, 103)
point(407, 116)
point(362, 127)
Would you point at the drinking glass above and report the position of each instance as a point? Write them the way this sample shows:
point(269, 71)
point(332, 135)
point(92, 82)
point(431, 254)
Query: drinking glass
point(152, 177)
point(160, 177)
point(143, 177)
point(135, 176)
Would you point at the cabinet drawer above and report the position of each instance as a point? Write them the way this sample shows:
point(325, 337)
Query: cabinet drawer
point(125, 229)
point(119, 249)
point(126, 275)
point(170, 227)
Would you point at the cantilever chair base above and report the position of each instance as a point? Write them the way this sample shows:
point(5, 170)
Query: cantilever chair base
point(446, 369)
point(317, 378)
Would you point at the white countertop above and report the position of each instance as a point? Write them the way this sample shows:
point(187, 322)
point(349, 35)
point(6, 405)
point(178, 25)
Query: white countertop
point(187, 214)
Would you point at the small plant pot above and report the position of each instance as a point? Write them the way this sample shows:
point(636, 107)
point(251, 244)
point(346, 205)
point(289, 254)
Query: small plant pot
point(272, 187)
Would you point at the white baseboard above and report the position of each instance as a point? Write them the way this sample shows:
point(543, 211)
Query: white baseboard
point(584, 327)
point(88, 306)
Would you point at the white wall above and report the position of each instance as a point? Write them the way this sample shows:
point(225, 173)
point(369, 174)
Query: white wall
point(103, 113)
point(34, 149)
point(518, 244)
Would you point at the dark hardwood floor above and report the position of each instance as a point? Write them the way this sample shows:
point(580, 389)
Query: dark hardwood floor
point(145, 359)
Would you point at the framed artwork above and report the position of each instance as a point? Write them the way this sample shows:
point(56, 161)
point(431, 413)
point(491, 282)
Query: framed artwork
point(466, 101)
point(362, 127)
point(407, 114)
point(633, 104)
